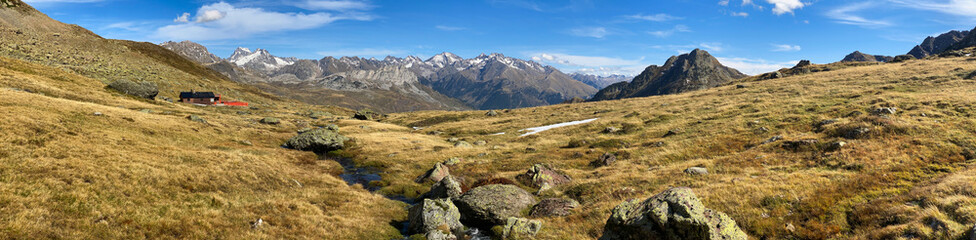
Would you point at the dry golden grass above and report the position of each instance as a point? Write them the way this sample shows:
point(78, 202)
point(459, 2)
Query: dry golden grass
point(66, 173)
point(925, 151)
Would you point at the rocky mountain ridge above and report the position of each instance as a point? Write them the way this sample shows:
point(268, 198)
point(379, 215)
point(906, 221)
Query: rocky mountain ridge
point(688, 72)
point(600, 82)
point(858, 56)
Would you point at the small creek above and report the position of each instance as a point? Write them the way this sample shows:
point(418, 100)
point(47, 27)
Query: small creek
point(353, 175)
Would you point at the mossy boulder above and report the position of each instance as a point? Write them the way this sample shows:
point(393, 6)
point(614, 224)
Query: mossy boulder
point(435, 215)
point(491, 205)
point(521, 228)
point(317, 140)
point(270, 121)
point(673, 214)
point(145, 90)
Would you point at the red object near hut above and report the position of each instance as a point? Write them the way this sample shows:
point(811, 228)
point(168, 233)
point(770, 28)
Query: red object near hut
point(208, 98)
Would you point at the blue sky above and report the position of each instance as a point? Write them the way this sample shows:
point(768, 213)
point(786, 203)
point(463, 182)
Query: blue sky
point(601, 37)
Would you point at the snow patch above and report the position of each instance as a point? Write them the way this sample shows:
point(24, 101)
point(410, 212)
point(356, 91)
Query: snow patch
point(531, 131)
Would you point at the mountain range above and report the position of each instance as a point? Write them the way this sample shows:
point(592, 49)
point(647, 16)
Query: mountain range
point(688, 72)
point(952, 40)
point(600, 82)
point(442, 82)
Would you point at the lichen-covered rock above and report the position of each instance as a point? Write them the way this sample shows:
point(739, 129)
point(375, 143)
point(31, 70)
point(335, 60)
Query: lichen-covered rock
point(435, 174)
point(605, 160)
point(480, 143)
point(673, 214)
point(452, 161)
point(491, 113)
point(433, 215)
point(447, 187)
point(146, 90)
point(332, 127)
point(552, 207)
point(364, 114)
point(493, 204)
point(696, 171)
point(270, 121)
point(196, 118)
point(439, 235)
point(318, 140)
point(463, 144)
point(542, 176)
point(521, 228)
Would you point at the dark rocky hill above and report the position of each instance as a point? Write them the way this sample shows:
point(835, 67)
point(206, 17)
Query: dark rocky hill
point(688, 72)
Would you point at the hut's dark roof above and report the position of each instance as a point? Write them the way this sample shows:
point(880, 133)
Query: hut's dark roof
point(197, 95)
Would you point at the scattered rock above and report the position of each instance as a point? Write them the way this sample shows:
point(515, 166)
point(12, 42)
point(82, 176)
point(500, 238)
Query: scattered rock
point(740, 86)
point(521, 228)
point(673, 132)
point(332, 127)
point(439, 235)
point(270, 121)
point(257, 223)
point(697, 171)
point(452, 161)
point(857, 133)
point(435, 133)
point(246, 143)
point(771, 140)
point(543, 177)
point(98, 114)
point(552, 207)
point(528, 149)
point(789, 227)
point(762, 130)
point(611, 130)
point(145, 90)
point(433, 215)
point(318, 115)
point(605, 160)
point(447, 187)
point(146, 111)
point(854, 114)
point(317, 140)
point(885, 111)
point(673, 214)
point(463, 144)
point(971, 76)
point(491, 205)
point(453, 139)
point(435, 174)
point(364, 114)
point(480, 143)
point(824, 123)
point(196, 118)
point(491, 113)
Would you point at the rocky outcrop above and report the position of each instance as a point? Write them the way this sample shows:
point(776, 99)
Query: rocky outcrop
point(673, 214)
point(935, 45)
point(192, 51)
point(605, 160)
point(435, 174)
point(521, 228)
point(858, 56)
point(967, 42)
point(447, 187)
point(554, 207)
point(145, 90)
point(435, 215)
point(317, 140)
point(689, 72)
point(543, 177)
point(493, 204)
point(902, 58)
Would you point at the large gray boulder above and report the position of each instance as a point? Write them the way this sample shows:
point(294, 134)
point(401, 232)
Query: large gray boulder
point(674, 214)
point(493, 204)
point(146, 90)
point(318, 140)
point(435, 215)
point(447, 187)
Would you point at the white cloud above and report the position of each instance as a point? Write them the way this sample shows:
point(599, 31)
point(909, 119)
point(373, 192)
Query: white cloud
point(669, 32)
point(682, 49)
point(723, 2)
point(660, 17)
point(740, 14)
point(965, 8)
point(845, 15)
point(781, 7)
point(590, 64)
point(594, 32)
point(184, 18)
point(714, 47)
point(334, 5)
point(366, 52)
point(128, 26)
point(225, 21)
point(786, 48)
point(210, 16)
point(754, 66)
point(449, 28)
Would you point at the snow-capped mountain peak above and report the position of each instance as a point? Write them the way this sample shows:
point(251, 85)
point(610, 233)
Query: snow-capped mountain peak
point(259, 58)
point(443, 60)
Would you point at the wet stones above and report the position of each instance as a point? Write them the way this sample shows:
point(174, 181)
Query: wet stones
point(435, 215)
point(317, 140)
